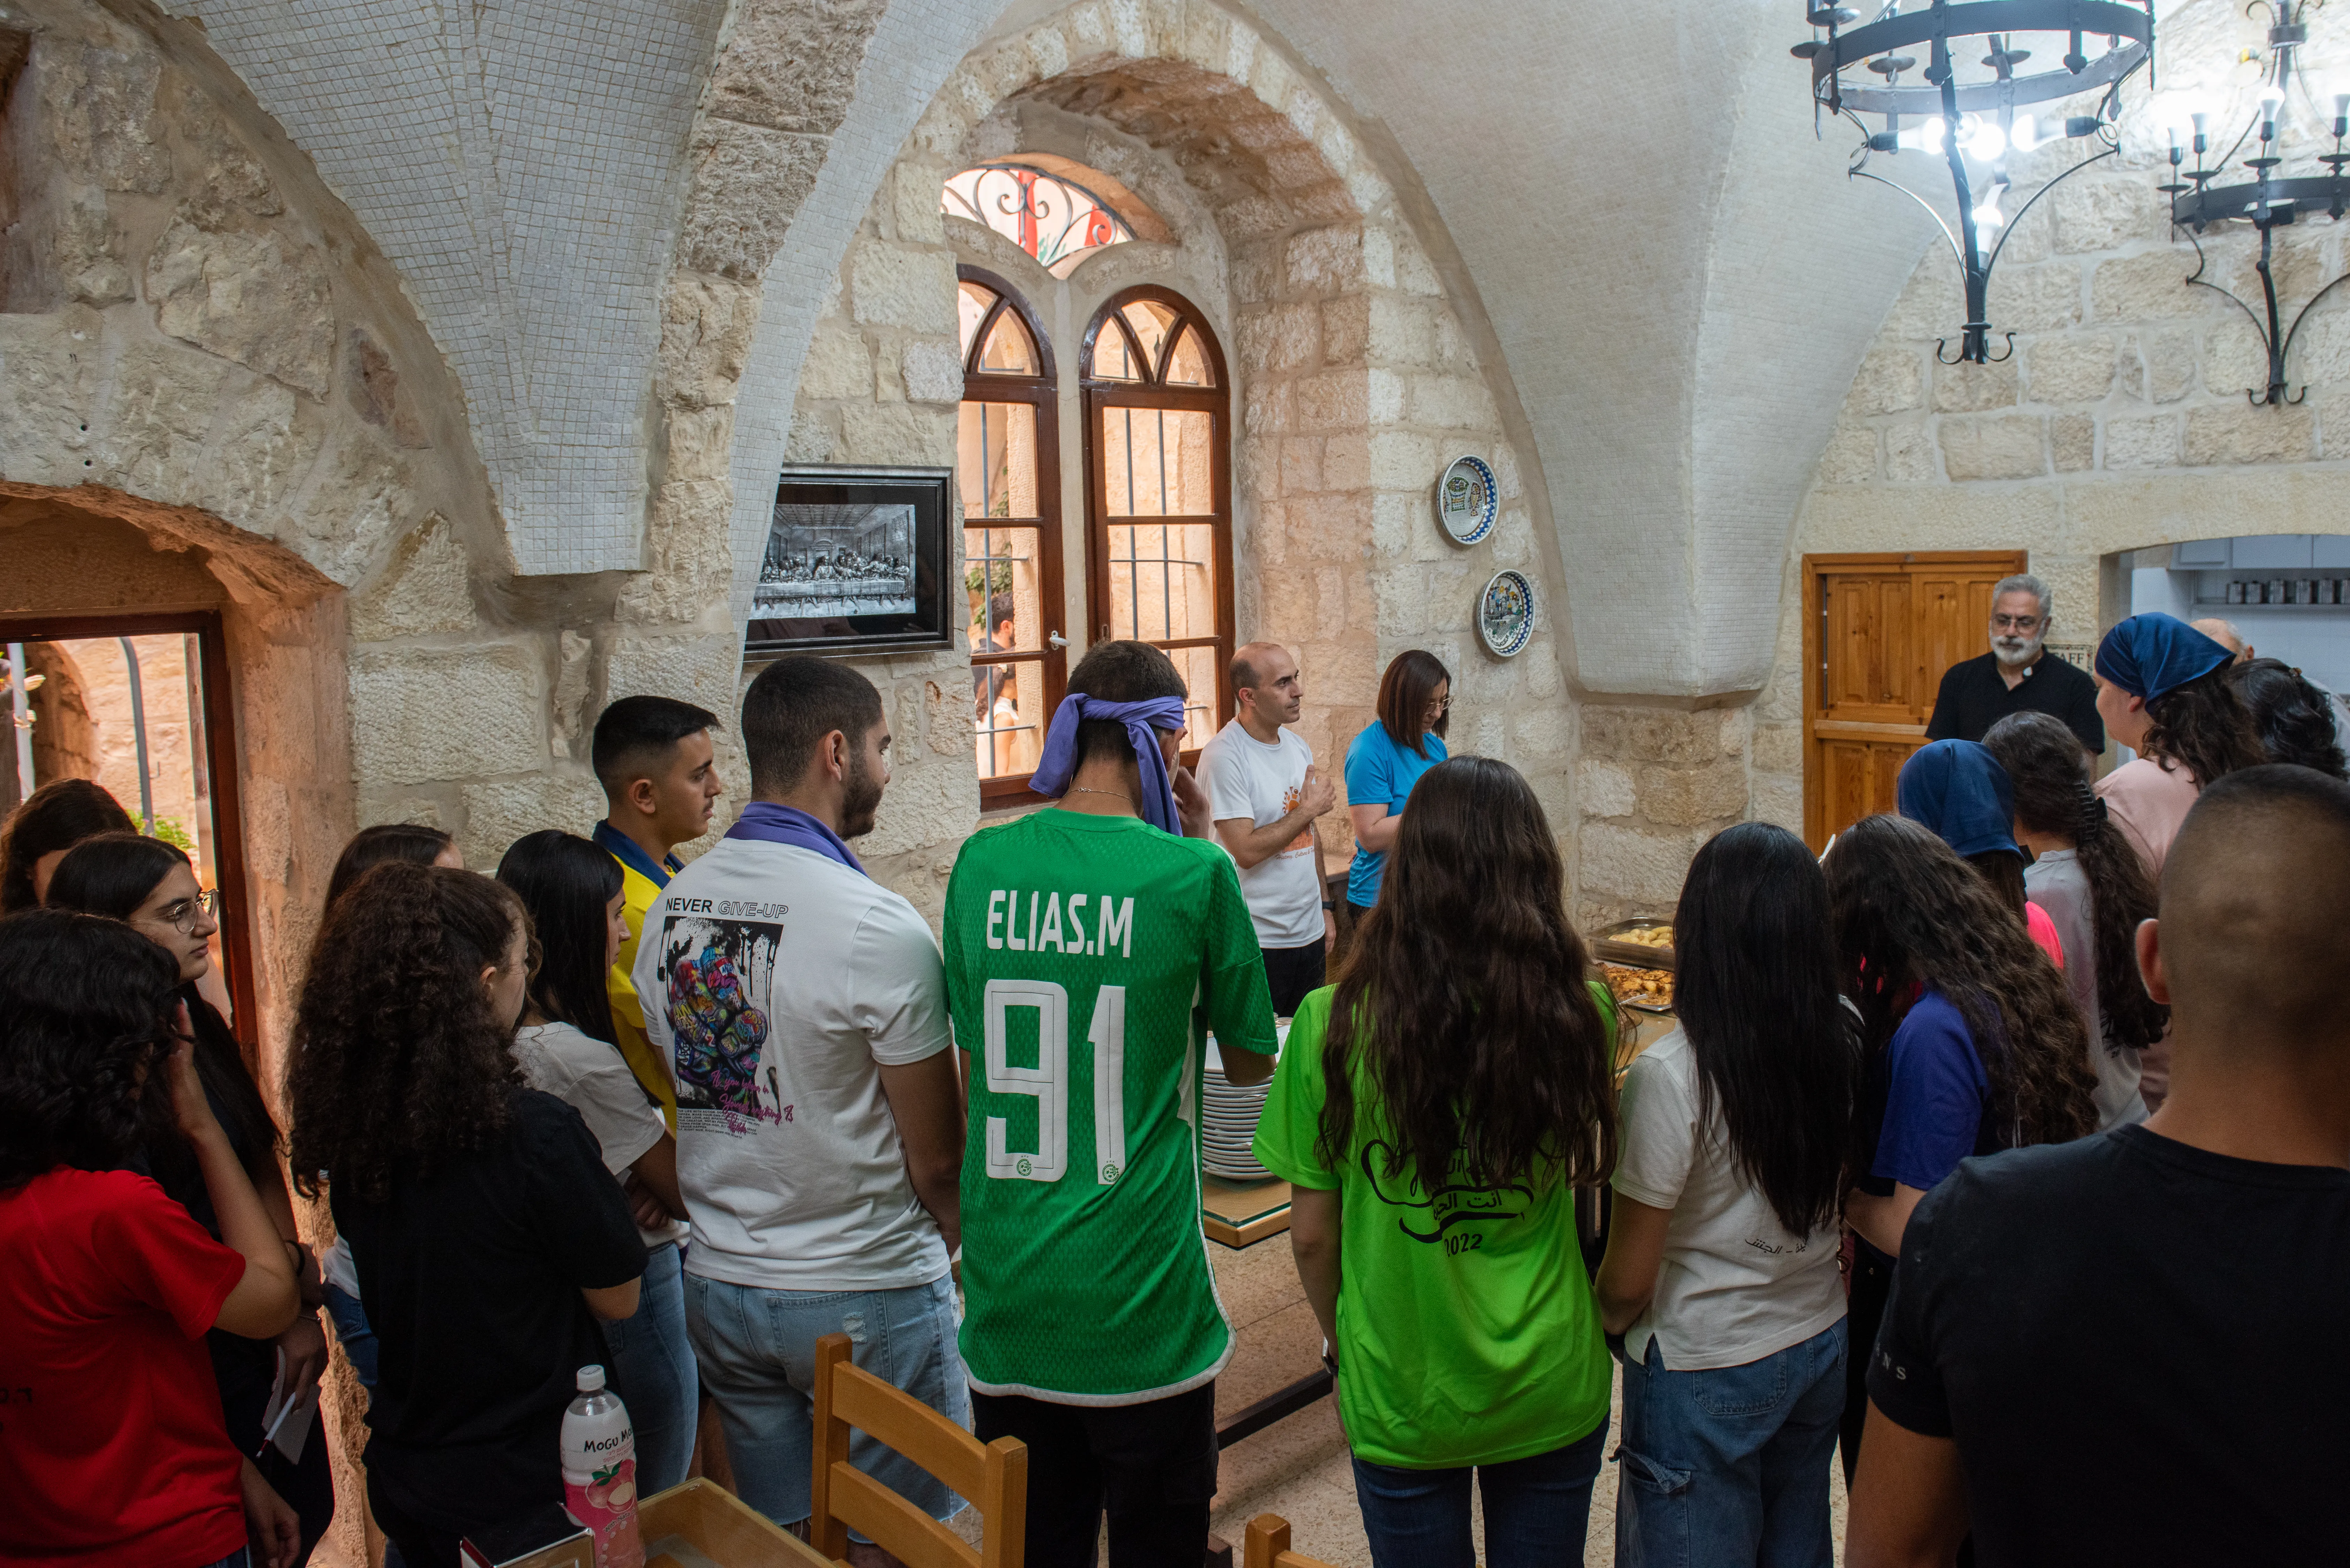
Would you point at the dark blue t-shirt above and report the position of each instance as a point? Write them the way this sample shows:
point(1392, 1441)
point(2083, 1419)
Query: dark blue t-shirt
point(1380, 773)
point(1935, 1095)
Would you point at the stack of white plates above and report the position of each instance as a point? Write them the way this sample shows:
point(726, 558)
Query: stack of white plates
point(1228, 1126)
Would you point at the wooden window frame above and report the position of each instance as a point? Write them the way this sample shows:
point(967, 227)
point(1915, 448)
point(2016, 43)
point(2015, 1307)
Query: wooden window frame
point(1041, 392)
point(220, 760)
point(1099, 394)
point(1814, 690)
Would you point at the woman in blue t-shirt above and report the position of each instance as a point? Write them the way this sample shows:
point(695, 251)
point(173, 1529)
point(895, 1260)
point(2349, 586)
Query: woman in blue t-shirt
point(1387, 758)
point(1971, 1043)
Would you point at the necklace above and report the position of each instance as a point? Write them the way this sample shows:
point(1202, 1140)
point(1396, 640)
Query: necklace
point(1114, 793)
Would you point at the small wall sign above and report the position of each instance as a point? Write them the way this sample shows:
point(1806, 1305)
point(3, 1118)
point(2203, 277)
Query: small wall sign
point(1466, 500)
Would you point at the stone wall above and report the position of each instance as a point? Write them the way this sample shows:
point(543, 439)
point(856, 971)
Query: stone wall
point(2119, 423)
point(1354, 380)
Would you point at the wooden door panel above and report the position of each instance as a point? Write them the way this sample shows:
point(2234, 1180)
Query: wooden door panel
point(1879, 634)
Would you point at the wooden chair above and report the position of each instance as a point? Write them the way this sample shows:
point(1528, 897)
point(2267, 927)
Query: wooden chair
point(993, 1476)
point(1268, 1545)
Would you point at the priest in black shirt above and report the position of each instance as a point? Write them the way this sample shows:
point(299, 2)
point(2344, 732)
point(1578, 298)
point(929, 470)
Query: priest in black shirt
point(2129, 1348)
point(2016, 676)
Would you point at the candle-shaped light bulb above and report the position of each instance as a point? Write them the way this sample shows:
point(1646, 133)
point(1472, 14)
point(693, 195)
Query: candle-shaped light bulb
point(2271, 105)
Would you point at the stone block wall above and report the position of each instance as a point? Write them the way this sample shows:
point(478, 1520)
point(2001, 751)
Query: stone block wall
point(2120, 422)
point(1653, 784)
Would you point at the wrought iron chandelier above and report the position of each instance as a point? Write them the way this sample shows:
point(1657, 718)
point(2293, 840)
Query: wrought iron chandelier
point(1969, 115)
point(2267, 201)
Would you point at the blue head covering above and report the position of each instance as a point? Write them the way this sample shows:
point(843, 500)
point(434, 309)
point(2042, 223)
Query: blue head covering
point(1142, 721)
point(2153, 655)
point(1958, 790)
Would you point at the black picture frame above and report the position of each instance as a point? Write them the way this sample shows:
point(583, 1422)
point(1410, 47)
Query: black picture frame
point(889, 527)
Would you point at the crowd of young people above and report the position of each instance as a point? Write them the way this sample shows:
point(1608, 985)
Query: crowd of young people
point(684, 1120)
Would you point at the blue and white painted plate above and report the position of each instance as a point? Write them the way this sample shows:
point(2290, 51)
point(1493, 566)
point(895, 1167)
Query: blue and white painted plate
point(1506, 614)
point(1467, 500)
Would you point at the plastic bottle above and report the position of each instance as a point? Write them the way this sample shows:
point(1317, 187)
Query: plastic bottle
point(599, 1471)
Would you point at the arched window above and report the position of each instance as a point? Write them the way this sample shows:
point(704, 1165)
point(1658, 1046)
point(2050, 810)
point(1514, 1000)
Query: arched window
point(1008, 468)
point(1049, 216)
point(1159, 507)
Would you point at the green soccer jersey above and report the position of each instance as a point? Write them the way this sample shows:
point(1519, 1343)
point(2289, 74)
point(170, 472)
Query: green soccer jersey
point(1087, 957)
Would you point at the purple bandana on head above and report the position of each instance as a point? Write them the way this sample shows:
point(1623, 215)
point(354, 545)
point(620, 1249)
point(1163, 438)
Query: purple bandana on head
point(1143, 721)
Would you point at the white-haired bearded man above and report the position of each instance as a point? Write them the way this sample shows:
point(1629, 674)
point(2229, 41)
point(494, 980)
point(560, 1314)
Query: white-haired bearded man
point(2017, 675)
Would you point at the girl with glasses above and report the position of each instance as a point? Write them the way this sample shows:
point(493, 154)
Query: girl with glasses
point(149, 885)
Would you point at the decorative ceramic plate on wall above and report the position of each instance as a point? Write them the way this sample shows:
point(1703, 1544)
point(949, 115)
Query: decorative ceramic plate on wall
point(1506, 614)
point(1466, 500)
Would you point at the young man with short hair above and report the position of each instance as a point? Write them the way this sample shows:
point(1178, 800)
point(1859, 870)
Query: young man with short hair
point(1266, 797)
point(819, 1125)
point(654, 758)
point(2129, 1348)
point(1089, 948)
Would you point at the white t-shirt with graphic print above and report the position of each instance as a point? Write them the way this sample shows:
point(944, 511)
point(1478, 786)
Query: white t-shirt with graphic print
point(779, 982)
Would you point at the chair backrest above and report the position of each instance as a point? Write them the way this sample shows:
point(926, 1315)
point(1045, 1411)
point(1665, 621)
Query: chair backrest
point(993, 1476)
point(1267, 1545)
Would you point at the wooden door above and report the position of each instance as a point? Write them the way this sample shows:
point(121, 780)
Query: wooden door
point(1878, 633)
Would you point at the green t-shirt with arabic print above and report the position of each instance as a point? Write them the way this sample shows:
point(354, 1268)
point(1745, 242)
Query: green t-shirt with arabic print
point(1467, 1330)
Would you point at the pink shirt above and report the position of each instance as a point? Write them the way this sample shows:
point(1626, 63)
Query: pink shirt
point(2044, 931)
point(2150, 802)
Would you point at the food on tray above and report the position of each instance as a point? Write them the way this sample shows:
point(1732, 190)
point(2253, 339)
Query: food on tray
point(1646, 935)
point(1640, 987)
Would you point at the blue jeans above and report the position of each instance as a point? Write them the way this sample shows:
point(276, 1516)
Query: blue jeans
point(353, 1332)
point(652, 1371)
point(1729, 1466)
point(1536, 1509)
point(757, 1350)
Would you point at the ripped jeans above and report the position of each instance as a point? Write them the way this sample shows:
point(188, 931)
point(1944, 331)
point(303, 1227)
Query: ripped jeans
point(757, 1354)
point(1727, 1467)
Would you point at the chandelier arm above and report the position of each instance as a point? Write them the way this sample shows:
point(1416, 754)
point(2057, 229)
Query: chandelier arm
point(2017, 221)
point(1950, 238)
point(2303, 315)
point(2203, 264)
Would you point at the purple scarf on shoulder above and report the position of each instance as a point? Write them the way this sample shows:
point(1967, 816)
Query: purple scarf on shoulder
point(770, 822)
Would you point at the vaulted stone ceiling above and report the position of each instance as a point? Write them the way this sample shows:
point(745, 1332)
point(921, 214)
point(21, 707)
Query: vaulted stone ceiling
point(1680, 281)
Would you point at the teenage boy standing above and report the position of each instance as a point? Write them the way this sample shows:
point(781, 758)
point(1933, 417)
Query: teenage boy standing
point(1089, 947)
point(2129, 1348)
point(1265, 795)
point(654, 759)
point(819, 1131)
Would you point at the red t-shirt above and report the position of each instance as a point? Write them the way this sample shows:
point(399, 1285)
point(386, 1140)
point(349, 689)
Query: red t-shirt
point(112, 1447)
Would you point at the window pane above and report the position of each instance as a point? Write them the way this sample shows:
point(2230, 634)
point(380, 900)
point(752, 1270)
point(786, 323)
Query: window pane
point(1003, 583)
point(1054, 220)
point(1189, 367)
point(1007, 707)
point(1008, 348)
point(1159, 462)
point(1198, 668)
point(995, 459)
point(1162, 580)
point(1114, 359)
point(972, 302)
point(1152, 323)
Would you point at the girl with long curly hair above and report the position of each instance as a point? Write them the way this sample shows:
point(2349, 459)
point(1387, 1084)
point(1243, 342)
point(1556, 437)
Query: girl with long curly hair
point(114, 1449)
point(1721, 1252)
point(574, 893)
point(1970, 1043)
point(488, 1236)
point(150, 885)
point(2096, 889)
point(1435, 1112)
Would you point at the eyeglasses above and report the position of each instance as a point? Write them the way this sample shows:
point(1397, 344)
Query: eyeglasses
point(182, 915)
point(2014, 622)
point(1442, 705)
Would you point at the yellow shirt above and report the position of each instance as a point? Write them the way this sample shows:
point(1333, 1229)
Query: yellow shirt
point(642, 883)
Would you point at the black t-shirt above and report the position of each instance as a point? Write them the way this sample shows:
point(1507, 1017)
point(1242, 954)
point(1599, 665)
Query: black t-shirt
point(1974, 696)
point(2138, 1347)
point(472, 1277)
